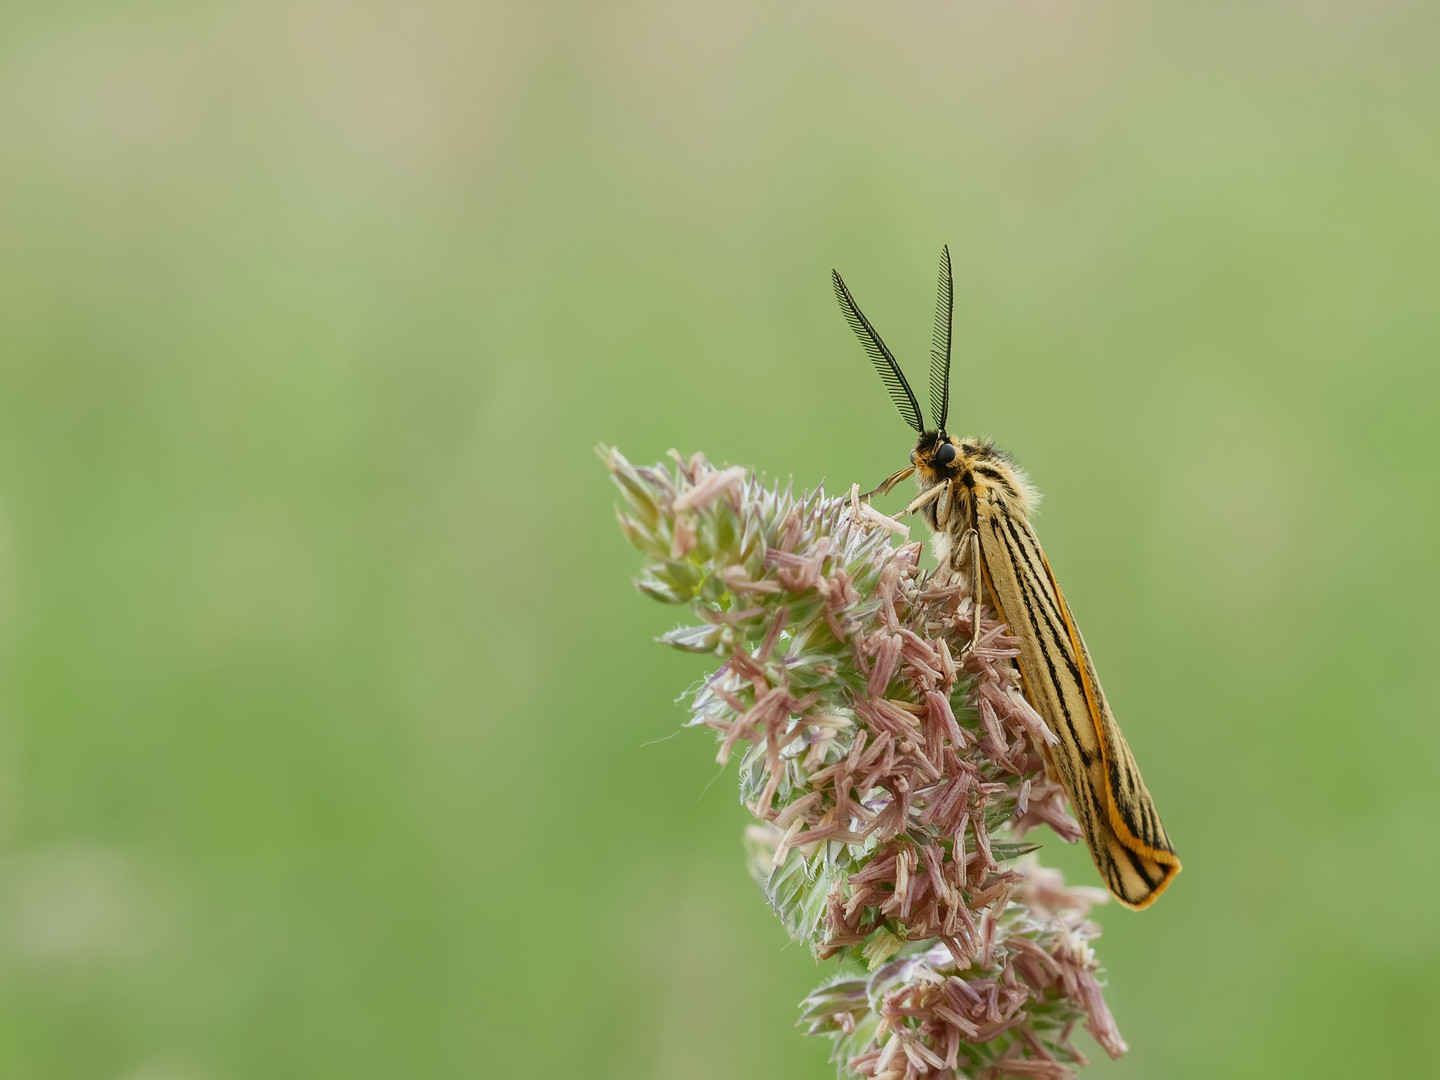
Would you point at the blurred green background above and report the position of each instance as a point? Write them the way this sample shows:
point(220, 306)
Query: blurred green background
point(332, 736)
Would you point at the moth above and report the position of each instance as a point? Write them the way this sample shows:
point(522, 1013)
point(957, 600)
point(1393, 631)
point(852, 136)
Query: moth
point(978, 504)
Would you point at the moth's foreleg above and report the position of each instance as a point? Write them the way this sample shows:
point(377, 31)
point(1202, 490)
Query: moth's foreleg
point(890, 481)
point(924, 499)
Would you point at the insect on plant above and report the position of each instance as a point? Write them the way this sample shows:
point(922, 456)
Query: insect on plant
point(978, 504)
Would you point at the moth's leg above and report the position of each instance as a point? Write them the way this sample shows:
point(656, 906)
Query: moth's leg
point(957, 536)
point(945, 508)
point(967, 545)
point(890, 481)
point(924, 499)
point(975, 578)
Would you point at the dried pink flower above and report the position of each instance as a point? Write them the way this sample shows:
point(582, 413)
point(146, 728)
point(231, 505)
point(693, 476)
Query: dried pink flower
point(894, 766)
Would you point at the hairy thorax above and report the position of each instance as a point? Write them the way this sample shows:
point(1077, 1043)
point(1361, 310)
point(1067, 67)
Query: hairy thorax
point(976, 472)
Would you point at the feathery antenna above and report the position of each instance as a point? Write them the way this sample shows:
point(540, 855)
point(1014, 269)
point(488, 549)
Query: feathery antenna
point(890, 373)
point(940, 344)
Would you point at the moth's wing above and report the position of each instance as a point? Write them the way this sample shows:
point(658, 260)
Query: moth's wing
point(1093, 761)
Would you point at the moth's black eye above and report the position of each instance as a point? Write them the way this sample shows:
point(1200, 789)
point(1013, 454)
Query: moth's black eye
point(945, 454)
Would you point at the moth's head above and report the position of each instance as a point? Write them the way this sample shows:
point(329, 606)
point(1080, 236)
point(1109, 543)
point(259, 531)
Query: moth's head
point(935, 457)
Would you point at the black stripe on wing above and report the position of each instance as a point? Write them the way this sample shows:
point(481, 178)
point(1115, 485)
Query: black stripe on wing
point(1127, 792)
point(1024, 550)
